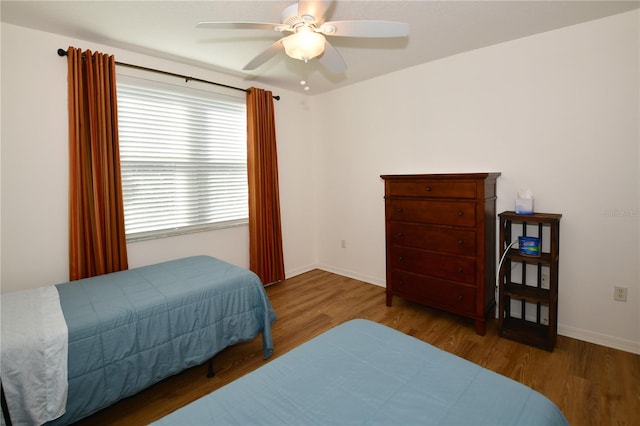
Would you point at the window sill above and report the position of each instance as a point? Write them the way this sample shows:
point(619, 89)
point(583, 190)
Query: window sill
point(166, 233)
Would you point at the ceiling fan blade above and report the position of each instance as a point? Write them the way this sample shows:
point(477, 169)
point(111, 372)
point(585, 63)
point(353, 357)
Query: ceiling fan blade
point(332, 60)
point(315, 8)
point(373, 29)
point(238, 25)
point(263, 57)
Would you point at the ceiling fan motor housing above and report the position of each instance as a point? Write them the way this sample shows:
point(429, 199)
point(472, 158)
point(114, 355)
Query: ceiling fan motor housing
point(290, 17)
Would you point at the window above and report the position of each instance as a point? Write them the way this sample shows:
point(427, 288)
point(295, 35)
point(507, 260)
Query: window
point(183, 157)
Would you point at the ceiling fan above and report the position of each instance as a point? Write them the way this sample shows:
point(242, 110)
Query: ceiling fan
point(305, 20)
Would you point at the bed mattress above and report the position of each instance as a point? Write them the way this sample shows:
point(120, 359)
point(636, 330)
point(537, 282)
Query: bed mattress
point(365, 373)
point(130, 329)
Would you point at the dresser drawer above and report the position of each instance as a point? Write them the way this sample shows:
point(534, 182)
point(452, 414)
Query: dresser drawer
point(435, 189)
point(445, 240)
point(438, 293)
point(458, 213)
point(436, 265)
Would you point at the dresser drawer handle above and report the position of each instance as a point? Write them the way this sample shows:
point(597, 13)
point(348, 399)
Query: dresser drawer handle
point(399, 209)
point(399, 234)
point(401, 283)
point(460, 213)
point(428, 189)
point(459, 297)
point(459, 242)
point(460, 269)
point(400, 258)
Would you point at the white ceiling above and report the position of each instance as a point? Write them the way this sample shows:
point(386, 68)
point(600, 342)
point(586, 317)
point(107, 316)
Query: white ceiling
point(167, 29)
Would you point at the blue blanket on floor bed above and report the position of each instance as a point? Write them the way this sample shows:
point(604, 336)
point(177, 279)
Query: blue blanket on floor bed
point(130, 329)
point(365, 373)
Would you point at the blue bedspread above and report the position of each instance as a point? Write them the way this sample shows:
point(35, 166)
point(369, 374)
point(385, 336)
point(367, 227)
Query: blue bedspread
point(130, 329)
point(364, 373)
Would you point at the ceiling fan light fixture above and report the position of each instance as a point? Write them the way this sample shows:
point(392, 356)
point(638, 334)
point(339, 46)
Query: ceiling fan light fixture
point(304, 44)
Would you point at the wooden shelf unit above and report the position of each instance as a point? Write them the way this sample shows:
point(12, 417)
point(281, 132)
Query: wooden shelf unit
point(528, 300)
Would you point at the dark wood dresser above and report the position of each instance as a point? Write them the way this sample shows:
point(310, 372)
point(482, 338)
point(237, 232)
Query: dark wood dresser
point(441, 241)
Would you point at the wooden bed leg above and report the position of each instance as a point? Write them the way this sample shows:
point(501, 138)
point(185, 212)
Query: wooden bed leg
point(210, 372)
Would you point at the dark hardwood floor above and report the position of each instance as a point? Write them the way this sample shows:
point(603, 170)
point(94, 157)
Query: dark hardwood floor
point(592, 384)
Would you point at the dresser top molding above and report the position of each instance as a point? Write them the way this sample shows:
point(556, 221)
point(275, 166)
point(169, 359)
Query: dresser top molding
point(447, 176)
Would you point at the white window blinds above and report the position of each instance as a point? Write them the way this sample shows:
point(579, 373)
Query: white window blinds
point(183, 159)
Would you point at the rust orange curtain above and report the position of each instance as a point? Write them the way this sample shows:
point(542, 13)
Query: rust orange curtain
point(97, 242)
point(265, 235)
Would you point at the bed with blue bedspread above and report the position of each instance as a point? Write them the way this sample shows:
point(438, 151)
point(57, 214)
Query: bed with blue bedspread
point(130, 329)
point(365, 373)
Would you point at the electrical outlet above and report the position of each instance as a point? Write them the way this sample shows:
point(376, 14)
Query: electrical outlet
point(343, 243)
point(620, 294)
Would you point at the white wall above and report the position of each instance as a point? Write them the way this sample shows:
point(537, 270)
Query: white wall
point(556, 112)
point(34, 167)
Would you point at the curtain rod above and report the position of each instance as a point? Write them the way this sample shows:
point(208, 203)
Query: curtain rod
point(62, 52)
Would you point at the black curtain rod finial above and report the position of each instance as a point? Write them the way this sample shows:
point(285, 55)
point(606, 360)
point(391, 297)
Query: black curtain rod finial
point(62, 52)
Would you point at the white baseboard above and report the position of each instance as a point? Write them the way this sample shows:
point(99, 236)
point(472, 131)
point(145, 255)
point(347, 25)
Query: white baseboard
point(564, 330)
point(301, 270)
point(344, 272)
point(355, 275)
point(599, 339)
